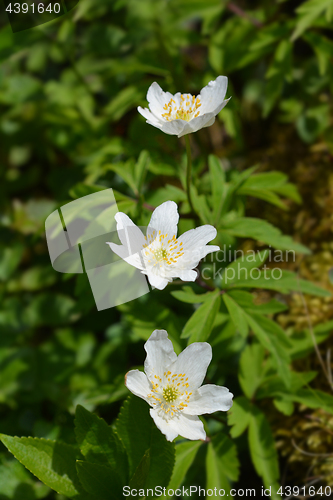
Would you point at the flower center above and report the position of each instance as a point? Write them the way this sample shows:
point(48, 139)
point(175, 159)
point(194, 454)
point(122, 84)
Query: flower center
point(161, 254)
point(161, 250)
point(187, 109)
point(169, 395)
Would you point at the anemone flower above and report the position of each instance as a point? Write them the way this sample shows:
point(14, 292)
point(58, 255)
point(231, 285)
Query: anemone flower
point(172, 386)
point(160, 254)
point(181, 114)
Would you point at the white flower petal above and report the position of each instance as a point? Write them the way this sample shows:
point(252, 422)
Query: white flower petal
point(175, 127)
point(187, 426)
point(199, 122)
point(209, 398)
point(213, 94)
point(186, 274)
point(157, 281)
point(221, 106)
point(138, 384)
point(191, 258)
point(198, 237)
point(193, 361)
point(129, 234)
point(163, 425)
point(157, 99)
point(165, 219)
point(160, 354)
point(150, 117)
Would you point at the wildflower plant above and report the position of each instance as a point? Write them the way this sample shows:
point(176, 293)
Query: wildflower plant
point(104, 420)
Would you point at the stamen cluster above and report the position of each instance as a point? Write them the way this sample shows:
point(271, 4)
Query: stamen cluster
point(169, 395)
point(159, 250)
point(187, 109)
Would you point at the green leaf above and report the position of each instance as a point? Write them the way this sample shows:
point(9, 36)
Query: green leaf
point(274, 279)
point(239, 416)
point(302, 342)
point(201, 206)
point(285, 407)
point(218, 187)
point(245, 301)
point(16, 478)
point(139, 477)
point(140, 169)
point(222, 464)
point(242, 267)
point(52, 462)
point(125, 100)
point(308, 12)
point(187, 295)
point(237, 315)
point(263, 452)
point(100, 481)
point(266, 186)
point(251, 371)
point(98, 443)
point(138, 433)
point(279, 70)
point(322, 46)
point(80, 189)
point(312, 398)
point(262, 328)
point(10, 257)
point(185, 455)
point(261, 230)
point(200, 324)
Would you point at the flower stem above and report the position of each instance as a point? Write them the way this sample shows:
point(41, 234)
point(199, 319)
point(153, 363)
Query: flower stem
point(189, 171)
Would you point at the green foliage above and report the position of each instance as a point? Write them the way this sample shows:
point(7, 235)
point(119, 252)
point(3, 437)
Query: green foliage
point(69, 128)
point(53, 463)
point(138, 433)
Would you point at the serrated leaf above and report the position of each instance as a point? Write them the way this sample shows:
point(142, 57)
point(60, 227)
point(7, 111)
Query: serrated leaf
point(283, 281)
point(251, 372)
point(226, 454)
point(200, 324)
point(312, 398)
point(263, 452)
point(261, 230)
point(275, 346)
point(187, 295)
point(138, 433)
point(239, 416)
point(100, 481)
point(214, 477)
point(266, 186)
point(308, 12)
point(98, 443)
point(245, 300)
point(242, 267)
point(139, 477)
point(52, 462)
point(185, 455)
point(237, 315)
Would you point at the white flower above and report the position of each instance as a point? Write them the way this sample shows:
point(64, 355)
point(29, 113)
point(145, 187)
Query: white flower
point(160, 254)
point(181, 114)
point(172, 386)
